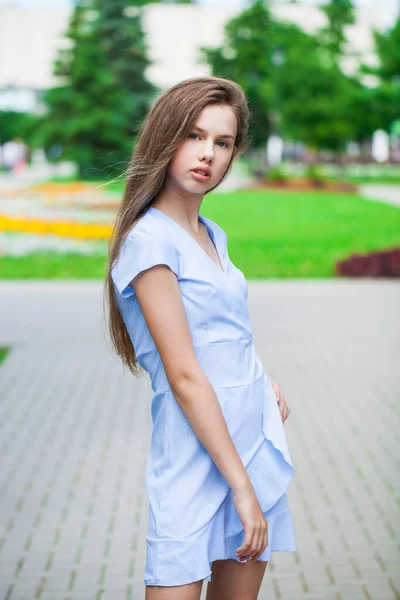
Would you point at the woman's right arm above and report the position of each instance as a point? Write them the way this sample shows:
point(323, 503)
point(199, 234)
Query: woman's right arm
point(159, 296)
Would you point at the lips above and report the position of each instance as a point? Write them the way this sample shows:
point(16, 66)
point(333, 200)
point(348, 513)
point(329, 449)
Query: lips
point(202, 171)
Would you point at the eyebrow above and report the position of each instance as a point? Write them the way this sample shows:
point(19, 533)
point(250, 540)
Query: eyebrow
point(223, 135)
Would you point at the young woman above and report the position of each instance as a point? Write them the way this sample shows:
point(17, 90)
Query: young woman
point(219, 465)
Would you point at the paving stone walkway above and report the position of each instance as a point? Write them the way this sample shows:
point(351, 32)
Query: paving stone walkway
point(388, 193)
point(75, 432)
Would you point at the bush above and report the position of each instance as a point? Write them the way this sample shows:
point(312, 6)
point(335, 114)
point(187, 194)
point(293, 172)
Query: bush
point(276, 174)
point(383, 263)
point(315, 174)
point(14, 124)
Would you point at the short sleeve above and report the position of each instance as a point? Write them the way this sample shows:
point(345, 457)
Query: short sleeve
point(138, 253)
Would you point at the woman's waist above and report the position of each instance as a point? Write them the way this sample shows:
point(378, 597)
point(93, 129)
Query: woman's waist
point(226, 363)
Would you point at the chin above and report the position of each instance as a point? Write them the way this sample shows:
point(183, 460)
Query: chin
point(196, 189)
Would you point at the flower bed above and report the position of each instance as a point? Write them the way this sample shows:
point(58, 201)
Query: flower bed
point(303, 184)
point(83, 231)
point(382, 263)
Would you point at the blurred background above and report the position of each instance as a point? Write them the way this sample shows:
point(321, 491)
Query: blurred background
point(312, 214)
point(323, 83)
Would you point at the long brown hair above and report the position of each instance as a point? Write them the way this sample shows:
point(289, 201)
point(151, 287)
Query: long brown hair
point(163, 130)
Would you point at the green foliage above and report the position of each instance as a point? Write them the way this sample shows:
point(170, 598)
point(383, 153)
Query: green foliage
point(276, 174)
point(15, 125)
point(365, 112)
point(340, 13)
point(143, 2)
point(102, 95)
point(388, 49)
point(245, 57)
point(315, 174)
point(292, 80)
point(385, 98)
point(317, 99)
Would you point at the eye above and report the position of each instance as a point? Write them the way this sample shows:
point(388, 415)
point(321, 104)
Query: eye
point(226, 145)
point(193, 134)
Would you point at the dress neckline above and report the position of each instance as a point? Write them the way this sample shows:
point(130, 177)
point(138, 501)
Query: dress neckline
point(210, 233)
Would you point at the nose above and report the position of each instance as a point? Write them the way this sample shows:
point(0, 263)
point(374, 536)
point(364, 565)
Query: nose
point(207, 151)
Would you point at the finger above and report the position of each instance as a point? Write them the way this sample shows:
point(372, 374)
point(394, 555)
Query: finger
point(263, 543)
point(259, 548)
point(277, 391)
point(257, 542)
point(283, 406)
point(254, 544)
point(248, 536)
point(253, 547)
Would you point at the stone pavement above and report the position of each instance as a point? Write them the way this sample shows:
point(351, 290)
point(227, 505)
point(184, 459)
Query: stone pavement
point(388, 193)
point(75, 432)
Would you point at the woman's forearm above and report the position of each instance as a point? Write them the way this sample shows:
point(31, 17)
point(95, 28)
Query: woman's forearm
point(197, 399)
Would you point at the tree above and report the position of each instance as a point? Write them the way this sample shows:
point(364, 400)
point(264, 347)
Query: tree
point(340, 13)
point(102, 94)
point(284, 71)
point(388, 71)
point(246, 57)
point(123, 44)
point(317, 98)
point(388, 49)
point(143, 2)
point(15, 124)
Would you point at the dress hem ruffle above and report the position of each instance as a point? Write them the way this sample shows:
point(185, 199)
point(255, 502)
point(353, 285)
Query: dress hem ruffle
point(180, 573)
point(179, 561)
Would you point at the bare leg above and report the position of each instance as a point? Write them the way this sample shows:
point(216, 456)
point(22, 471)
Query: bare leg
point(232, 580)
point(191, 591)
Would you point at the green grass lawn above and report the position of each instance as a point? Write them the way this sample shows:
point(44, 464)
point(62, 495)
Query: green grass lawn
point(300, 234)
point(365, 179)
point(271, 234)
point(115, 185)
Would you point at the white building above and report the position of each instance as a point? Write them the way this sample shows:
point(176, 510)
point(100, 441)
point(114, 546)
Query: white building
point(30, 37)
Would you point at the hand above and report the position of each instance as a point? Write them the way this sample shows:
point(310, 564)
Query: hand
point(283, 407)
point(254, 523)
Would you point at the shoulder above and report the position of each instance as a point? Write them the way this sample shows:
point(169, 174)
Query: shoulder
point(148, 228)
point(149, 234)
point(146, 244)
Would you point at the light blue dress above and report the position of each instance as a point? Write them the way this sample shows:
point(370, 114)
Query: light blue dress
point(192, 518)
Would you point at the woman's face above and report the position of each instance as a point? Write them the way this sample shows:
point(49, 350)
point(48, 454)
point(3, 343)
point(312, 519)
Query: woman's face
point(208, 147)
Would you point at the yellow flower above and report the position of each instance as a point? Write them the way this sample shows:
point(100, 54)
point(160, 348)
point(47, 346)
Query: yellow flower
point(83, 231)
